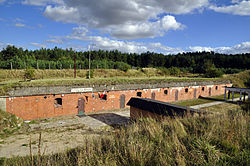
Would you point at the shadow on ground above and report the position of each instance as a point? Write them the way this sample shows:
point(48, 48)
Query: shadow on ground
point(111, 119)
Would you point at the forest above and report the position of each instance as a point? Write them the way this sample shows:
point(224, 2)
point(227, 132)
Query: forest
point(12, 57)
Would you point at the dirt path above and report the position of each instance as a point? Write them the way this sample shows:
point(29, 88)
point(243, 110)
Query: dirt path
point(60, 134)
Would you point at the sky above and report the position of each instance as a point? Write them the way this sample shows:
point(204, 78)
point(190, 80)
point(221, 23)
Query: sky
point(134, 26)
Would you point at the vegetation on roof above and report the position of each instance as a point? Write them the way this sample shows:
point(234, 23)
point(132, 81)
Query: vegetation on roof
point(10, 79)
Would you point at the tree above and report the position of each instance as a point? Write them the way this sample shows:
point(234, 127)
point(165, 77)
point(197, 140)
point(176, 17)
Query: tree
point(211, 71)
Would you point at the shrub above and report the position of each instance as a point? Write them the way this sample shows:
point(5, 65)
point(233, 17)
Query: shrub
point(213, 72)
point(29, 73)
point(122, 66)
point(175, 71)
point(91, 74)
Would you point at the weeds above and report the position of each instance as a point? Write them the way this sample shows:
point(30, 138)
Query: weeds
point(213, 140)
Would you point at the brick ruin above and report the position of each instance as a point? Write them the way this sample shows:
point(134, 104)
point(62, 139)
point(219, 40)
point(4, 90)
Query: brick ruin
point(45, 102)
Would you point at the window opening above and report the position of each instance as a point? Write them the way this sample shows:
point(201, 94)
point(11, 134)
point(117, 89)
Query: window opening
point(203, 89)
point(165, 92)
point(216, 87)
point(58, 101)
point(103, 97)
point(186, 90)
point(138, 94)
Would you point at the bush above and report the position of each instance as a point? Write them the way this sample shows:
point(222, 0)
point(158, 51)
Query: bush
point(122, 66)
point(163, 71)
point(175, 71)
point(91, 74)
point(29, 73)
point(213, 72)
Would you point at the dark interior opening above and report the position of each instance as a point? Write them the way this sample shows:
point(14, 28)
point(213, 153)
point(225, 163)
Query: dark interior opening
point(58, 101)
point(138, 94)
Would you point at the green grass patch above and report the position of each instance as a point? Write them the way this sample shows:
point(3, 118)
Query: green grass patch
point(203, 100)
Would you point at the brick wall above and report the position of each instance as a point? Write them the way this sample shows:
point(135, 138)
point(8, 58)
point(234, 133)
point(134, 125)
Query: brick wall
point(45, 106)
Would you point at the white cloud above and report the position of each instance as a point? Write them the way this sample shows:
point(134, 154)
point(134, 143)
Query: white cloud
point(63, 13)
point(38, 45)
point(20, 25)
point(238, 8)
point(200, 49)
point(42, 2)
point(2, 1)
point(19, 20)
point(40, 25)
point(243, 47)
point(145, 29)
point(56, 41)
point(124, 19)
point(105, 43)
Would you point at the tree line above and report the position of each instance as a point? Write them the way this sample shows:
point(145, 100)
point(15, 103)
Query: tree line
point(57, 58)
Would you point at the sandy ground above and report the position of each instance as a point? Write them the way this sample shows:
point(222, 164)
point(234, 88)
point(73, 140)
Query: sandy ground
point(60, 134)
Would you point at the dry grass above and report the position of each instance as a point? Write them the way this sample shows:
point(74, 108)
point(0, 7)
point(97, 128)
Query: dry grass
point(10, 79)
point(213, 140)
point(240, 80)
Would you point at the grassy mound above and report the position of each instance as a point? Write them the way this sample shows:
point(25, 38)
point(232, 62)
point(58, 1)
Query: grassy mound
point(240, 80)
point(213, 140)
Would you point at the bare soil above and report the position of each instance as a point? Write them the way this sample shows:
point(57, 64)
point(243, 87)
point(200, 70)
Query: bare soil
point(60, 134)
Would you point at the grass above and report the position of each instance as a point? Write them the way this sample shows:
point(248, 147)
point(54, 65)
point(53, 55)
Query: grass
point(213, 140)
point(240, 80)
point(8, 124)
point(10, 79)
point(203, 100)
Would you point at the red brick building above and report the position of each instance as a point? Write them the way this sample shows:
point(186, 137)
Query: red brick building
point(44, 102)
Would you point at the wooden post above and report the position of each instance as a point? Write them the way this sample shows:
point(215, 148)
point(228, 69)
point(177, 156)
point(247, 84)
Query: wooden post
point(11, 67)
point(240, 95)
point(37, 65)
point(232, 95)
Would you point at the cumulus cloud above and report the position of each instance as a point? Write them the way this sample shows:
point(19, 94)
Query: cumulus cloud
point(145, 29)
point(243, 47)
point(38, 45)
point(237, 8)
point(200, 49)
point(63, 13)
point(124, 19)
point(105, 43)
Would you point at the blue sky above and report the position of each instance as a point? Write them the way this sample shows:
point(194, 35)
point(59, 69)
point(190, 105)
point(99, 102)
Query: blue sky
point(164, 26)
